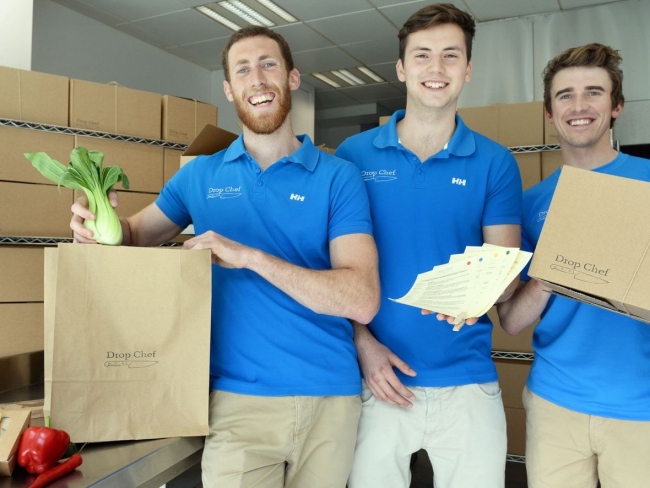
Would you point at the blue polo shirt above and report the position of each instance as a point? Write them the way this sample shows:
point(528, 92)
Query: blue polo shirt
point(263, 341)
point(422, 213)
point(588, 359)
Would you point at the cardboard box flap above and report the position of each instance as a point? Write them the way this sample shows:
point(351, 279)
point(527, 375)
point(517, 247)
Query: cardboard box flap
point(210, 140)
point(593, 246)
point(12, 425)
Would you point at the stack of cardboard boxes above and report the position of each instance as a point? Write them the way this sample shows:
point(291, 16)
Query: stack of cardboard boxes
point(516, 125)
point(33, 206)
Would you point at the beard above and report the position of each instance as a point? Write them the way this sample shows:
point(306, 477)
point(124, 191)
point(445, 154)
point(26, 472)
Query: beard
point(266, 123)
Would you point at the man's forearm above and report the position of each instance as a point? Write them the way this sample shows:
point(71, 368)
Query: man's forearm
point(349, 292)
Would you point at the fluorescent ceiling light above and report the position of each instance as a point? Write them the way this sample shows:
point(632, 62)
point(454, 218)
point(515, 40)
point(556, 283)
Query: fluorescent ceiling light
point(219, 18)
point(246, 13)
point(370, 74)
point(348, 77)
point(326, 80)
point(277, 10)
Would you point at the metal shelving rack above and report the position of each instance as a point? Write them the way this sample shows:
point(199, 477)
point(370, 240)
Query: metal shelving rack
point(82, 132)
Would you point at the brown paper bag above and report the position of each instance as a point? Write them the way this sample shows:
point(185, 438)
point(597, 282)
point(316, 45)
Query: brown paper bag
point(127, 337)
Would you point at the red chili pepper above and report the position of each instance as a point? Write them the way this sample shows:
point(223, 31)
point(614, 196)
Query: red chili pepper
point(58, 471)
point(41, 448)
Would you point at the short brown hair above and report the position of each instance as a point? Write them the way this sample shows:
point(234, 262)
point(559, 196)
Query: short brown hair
point(592, 55)
point(438, 14)
point(253, 31)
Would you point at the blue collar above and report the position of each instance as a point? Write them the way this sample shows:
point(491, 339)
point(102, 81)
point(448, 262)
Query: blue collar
point(307, 154)
point(462, 143)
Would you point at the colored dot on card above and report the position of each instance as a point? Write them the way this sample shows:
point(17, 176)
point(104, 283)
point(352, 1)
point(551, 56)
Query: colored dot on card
point(496, 254)
point(468, 263)
point(480, 259)
point(507, 252)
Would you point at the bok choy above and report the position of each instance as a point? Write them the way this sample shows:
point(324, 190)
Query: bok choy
point(86, 172)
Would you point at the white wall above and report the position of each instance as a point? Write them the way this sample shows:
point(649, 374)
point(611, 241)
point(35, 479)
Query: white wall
point(16, 31)
point(69, 44)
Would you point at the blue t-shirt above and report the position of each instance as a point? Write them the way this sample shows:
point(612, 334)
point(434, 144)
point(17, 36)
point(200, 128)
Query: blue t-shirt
point(263, 341)
point(422, 213)
point(588, 359)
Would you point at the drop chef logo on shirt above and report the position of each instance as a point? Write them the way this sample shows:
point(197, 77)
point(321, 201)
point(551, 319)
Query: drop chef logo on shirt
point(224, 193)
point(379, 175)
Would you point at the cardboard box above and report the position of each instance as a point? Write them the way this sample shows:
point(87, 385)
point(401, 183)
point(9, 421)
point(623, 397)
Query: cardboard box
point(14, 142)
point(12, 426)
point(502, 341)
point(513, 374)
point(521, 124)
point(484, 120)
point(510, 124)
point(516, 431)
point(551, 160)
point(22, 274)
point(34, 407)
point(210, 140)
point(33, 97)
point(21, 328)
point(114, 109)
point(171, 158)
point(183, 119)
point(36, 210)
point(594, 247)
point(142, 163)
point(530, 168)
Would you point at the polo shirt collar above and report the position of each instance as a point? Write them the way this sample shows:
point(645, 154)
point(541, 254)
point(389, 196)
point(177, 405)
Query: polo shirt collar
point(307, 154)
point(462, 142)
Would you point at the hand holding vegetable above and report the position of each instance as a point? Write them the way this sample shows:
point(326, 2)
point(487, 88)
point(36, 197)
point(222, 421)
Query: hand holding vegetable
point(86, 172)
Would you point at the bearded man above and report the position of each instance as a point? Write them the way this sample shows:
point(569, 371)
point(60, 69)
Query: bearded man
point(294, 261)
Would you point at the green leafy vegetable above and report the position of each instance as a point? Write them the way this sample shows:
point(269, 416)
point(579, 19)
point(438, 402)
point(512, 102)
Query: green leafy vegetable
point(86, 172)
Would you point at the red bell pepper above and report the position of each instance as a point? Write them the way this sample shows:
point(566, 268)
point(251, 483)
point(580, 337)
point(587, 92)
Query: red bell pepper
point(41, 448)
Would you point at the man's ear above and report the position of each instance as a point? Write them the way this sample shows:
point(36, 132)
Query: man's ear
point(617, 111)
point(294, 79)
point(548, 115)
point(399, 67)
point(228, 91)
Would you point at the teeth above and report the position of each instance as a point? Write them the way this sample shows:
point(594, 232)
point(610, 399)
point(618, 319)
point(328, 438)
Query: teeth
point(257, 99)
point(434, 84)
point(580, 122)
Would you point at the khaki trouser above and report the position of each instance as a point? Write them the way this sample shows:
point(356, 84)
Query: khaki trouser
point(462, 428)
point(273, 442)
point(567, 449)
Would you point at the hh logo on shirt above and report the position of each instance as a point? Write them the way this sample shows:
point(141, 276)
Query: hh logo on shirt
point(379, 175)
point(542, 215)
point(296, 197)
point(458, 181)
point(224, 193)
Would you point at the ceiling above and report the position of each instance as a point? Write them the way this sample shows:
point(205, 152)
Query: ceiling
point(329, 35)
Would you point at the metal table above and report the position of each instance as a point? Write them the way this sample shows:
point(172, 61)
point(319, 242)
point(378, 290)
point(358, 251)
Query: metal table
point(124, 464)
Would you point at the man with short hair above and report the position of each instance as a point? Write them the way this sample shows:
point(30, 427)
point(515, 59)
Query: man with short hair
point(435, 187)
point(587, 397)
point(294, 259)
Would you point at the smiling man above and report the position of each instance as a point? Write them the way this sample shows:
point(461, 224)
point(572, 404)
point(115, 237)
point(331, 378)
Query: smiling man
point(587, 397)
point(294, 259)
point(435, 187)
